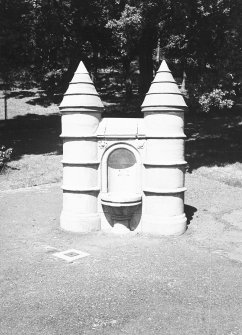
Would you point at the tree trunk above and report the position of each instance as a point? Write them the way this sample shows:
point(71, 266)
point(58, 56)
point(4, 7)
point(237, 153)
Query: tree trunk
point(127, 80)
point(158, 53)
point(5, 106)
point(183, 85)
point(146, 62)
point(95, 62)
point(146, 71)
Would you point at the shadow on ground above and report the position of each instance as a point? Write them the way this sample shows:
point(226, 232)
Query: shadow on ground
point(32, 134)
point(189, 211)
point(20, 94)
point(39, 97)
point(213, 139)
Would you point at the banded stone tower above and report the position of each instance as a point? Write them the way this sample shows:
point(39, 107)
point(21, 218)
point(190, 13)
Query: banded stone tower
point(81, 110)
point(164, 164)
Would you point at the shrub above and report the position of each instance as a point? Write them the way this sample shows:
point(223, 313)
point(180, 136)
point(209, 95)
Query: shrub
point(217, 99)
point(51, 81)
point(5, 156)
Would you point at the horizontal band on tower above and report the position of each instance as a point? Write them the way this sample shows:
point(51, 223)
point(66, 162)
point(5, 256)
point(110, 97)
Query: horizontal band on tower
point(165, 136)
point(166, 191)
point(164, 81)
point(121, 204)
point(95, 94)
point(77, 136)
point(79, 163)
point(164, 108)
point(118, 136)
point(159, 93)
point(161, 110)
point(163, 70)
point(165, 163)
point(90, 189)
point(78, 109)
point(142, 137)
point(81, 82)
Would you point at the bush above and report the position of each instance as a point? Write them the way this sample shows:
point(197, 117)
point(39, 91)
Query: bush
point(217, 99)
point(51, 81)
point(5, 156)
point(210, 92)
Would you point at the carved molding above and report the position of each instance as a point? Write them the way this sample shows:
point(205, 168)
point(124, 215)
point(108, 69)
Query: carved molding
point(140, 144)
point(102, 144)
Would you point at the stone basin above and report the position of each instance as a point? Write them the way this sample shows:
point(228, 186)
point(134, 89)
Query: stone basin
point(121, 208)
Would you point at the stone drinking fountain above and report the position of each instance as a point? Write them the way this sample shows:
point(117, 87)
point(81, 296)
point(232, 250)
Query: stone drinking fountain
point(123, 174)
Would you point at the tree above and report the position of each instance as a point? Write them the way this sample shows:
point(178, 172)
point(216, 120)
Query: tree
point(126, 32)
point(135, 34)
point(14, 38)
point(200, 38)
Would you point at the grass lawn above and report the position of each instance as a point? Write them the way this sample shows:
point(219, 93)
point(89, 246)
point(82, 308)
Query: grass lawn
point(32, 170)
point(33, 130)
point(230, 174)
point(213, 146)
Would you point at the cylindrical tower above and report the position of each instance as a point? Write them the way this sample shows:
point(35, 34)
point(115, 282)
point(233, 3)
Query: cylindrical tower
point(164, 164)
point(81, 110)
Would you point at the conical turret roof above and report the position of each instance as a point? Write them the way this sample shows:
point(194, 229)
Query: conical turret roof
point(81, 94)
point(164, 93)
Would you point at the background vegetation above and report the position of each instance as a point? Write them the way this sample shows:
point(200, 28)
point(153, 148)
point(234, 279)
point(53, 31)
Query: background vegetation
point(122, 43)
point(42, 41)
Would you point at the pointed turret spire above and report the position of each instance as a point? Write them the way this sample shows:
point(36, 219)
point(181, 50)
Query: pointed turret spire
point(164, 67)
point(164, 93)
point(81, 93)
point(81, 68)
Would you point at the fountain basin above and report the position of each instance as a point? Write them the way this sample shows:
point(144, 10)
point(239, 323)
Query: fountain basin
point(121, 207)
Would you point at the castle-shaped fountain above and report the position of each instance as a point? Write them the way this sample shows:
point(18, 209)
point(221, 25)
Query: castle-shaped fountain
point(123, 174)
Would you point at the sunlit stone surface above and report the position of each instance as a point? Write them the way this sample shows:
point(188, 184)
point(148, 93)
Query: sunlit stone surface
point(123, 175)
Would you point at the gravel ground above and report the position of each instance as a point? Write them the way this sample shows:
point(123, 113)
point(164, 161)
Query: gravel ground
point(189, 284)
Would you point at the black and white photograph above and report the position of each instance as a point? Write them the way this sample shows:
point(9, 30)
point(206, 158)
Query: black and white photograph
point(121, 167)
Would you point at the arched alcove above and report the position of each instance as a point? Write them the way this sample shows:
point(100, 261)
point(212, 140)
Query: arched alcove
point(121, 170)
point(121, 195)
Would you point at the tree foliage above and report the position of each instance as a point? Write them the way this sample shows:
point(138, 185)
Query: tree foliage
point(201, 39)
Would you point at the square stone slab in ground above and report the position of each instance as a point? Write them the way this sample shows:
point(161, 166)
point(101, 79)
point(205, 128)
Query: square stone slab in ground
point(70, 255)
